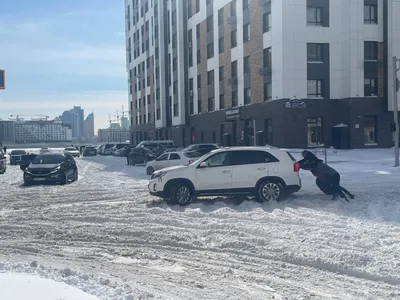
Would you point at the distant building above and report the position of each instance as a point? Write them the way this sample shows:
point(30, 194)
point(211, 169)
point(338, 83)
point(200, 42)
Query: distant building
point(125, 122)
point(89, 126)
point(75, 118)
point(6, 131)
point(67, 117)
point(42, 131)
point(114, 134)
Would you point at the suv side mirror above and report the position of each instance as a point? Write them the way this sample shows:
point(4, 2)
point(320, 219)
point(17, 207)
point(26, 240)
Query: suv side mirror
point(203, 165)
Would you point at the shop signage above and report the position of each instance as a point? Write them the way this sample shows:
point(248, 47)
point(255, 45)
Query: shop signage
point(232, 114)
point(295, 103)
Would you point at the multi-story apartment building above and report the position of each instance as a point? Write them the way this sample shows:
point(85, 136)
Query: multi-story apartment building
point(114, 134)
point(207, 71)
point(6, 131)
point(41, 131)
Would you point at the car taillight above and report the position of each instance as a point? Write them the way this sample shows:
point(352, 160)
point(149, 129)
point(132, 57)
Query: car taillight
point(296, 167)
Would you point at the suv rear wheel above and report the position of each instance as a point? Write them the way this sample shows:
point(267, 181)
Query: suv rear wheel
point(270, 190)
point(181, 194)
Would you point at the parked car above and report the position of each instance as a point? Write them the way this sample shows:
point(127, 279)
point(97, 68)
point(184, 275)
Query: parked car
point(116, 149)
point(100, 150)
point(44, 150)
point(173, 149)
point(140, 156)
point(73, 151)
point(16, 156)
point(170, 159)
point(266, 173)
point(108, 149)
point(89, 151)
point(201, 148)
point(155, 143)
point(51, 167)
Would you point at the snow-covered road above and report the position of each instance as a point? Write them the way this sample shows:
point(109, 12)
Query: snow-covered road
point(105, 235)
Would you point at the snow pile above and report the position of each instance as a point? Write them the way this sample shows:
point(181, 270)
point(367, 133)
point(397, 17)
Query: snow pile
point(15, 286)
point(107, 237)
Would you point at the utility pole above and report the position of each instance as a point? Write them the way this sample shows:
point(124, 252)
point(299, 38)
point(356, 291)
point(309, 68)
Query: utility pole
point(396, 110)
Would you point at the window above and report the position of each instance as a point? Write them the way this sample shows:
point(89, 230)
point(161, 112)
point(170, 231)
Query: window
point(158, 114)
point(314, 52)
point(190, 57)
point(146, 7)
point(370, 14)
point(189, 9)
point(149, 99)
point(314, 131)
point(246, 65)
point(209, 23)
point(314, 88)
point(267, 58)
point(234, 68)
point(268, 131)
point(233, 8)
point(234, 99)
point(221, 73)
point(247, 96)
point(221, 45)
point(370, 50)
point(210, 50)
point(198, 31)
point(163, 157)
point(199, 110)
point(211, 104)
point(198, 56)
point(210, 77)
point(221, 101)
point(157, 73)
point(198, 82)
point(314, 16)
point(149, 117)
point(266, 22)
point(174, 17)
point(370, 129)
point(176, 110)
point(252, 157)
point(147, 26)
point(218, 160)
point(234, 39)
point(221, 16)
point(174, 156)
point(156, 31)
point(175, 87)
point(246, 4)
point(197, 6)
point(148, 80)
point(370, 87)
point(174, 41)
point(246, 33)
point(174, 64)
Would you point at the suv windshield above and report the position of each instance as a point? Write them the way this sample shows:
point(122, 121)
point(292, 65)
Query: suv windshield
point(47, 159)
point(71, 149)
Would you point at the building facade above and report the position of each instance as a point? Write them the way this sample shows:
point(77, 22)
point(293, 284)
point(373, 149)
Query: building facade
point(41, 131)
point(209, 71)
point(89, 126)
point(6, 131)
point(114, 134)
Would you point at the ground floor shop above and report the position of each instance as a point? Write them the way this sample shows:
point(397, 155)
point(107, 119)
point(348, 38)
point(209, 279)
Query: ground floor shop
point(344, 123)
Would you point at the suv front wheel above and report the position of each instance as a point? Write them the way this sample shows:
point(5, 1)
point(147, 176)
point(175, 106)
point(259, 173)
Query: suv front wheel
point(181, 194)
point(270, 190)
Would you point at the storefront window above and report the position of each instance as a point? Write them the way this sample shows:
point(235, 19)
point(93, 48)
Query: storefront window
point(315, 132)
point(370, 130)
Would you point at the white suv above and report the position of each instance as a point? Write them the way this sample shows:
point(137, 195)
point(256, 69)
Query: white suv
point(266, 173)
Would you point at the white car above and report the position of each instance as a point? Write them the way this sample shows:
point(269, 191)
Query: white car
point(73, 151)
point(171, 159)
point(266, 173)
point(44, 150)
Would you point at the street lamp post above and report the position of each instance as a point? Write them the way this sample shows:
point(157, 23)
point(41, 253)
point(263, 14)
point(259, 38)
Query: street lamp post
point(396, 110)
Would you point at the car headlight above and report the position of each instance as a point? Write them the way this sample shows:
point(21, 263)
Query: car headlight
point(55, 170)
point(158, 175)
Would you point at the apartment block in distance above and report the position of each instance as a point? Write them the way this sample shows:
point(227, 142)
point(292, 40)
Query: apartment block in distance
point(305, 73)
point(41, 131)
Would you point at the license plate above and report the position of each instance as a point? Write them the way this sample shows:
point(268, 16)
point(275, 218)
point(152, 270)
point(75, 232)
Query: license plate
point(39, 179)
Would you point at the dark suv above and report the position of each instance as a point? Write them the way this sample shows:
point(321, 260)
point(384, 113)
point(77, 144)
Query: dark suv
point(89, 151)
point(16, 156)
point(51, 168)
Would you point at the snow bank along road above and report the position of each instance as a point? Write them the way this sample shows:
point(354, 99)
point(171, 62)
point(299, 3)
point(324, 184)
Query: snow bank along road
point(105, 235)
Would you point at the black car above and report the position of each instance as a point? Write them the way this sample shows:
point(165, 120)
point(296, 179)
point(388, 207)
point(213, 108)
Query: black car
point(89, 151)
point(201, 148)
point(16, 156)
point(51, 168)
point(140, 156)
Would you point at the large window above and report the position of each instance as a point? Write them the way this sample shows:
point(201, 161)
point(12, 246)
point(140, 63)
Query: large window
point(234, 39)
point(234, 69)
point(247, 96)
point(210, 50)
point(314, 52)
point(370, 50)
point(246, 65)
point(246, 33)
point(370, 14)
point(314, 88)
point(211, 104)
point(267, 57)
point(234, 99)
point(370, 130)
point(314, 16)
point(370, 87)
point(210, 77)
point(221, 45)
point(267, 91)
point(314, 132)
point(220, 16)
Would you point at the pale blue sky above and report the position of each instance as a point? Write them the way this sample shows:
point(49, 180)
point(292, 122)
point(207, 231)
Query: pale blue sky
point(58, 54)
